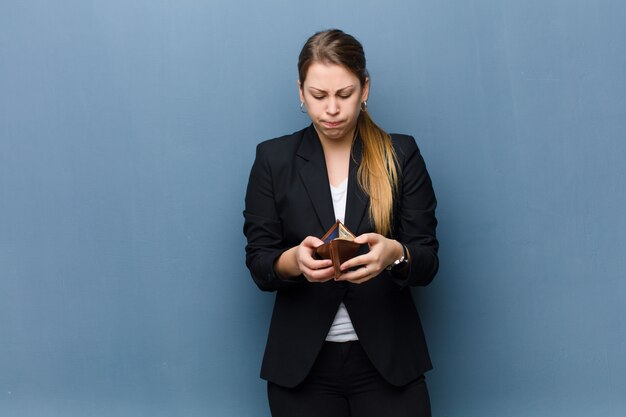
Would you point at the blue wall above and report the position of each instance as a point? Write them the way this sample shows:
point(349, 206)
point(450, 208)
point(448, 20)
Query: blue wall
point(127, 130)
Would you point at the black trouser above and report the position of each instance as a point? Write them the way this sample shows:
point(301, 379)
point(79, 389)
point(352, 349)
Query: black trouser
point(344, 383)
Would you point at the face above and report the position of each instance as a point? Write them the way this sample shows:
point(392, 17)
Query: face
point(333, 97)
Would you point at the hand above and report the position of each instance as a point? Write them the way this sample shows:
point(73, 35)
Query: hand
point(314, 270)
point(382, 253)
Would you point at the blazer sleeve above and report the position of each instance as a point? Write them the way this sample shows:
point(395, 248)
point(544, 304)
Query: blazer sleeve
point(263, 228)
point(417, 222)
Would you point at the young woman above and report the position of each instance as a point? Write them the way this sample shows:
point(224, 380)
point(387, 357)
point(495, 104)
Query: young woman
point(348, 344)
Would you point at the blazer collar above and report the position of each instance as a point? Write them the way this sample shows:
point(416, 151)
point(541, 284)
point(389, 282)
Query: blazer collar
point(314, 176)
point(357, 201)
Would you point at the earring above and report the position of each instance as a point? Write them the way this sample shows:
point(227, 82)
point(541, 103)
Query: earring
point(302, 108)
point(364, 105)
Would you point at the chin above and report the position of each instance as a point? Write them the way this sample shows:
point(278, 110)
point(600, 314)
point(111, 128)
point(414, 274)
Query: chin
point(336, 135)
point(333, 133)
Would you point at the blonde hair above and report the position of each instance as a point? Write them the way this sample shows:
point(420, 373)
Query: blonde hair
point(377, 174)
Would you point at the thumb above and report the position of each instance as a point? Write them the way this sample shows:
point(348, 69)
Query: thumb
point(313, 242)
point(364, 238)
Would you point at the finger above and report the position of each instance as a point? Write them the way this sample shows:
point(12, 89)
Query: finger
point(357, 281)
point(315, 264)
point(365, 238)
point(313, 267)
point(319, 275)
point(354, 276)
point(356, 261)
point(312, 242)
point(365, 278)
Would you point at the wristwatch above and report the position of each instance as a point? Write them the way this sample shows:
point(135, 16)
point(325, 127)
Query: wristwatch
point(401, 262)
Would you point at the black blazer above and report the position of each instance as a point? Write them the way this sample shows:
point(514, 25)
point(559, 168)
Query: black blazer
point(289, 198)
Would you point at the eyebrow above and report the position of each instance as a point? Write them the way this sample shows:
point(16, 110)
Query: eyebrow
point(341, 90)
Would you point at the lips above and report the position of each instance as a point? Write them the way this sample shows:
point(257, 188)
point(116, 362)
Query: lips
point(331, 125)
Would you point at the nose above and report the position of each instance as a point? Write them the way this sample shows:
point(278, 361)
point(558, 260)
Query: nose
point(333, 107)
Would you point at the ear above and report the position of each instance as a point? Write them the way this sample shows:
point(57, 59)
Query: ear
point(300, 91)
point(366, 90)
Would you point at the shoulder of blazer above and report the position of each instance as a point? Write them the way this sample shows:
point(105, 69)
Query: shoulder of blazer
point(404, 145)
point(287, 144)
point(292, 151)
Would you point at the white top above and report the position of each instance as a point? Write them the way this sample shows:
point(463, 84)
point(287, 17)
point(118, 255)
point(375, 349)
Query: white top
point(341, 330)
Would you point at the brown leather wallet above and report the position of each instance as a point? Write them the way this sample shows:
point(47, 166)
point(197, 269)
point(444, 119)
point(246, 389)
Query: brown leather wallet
point(339, 246)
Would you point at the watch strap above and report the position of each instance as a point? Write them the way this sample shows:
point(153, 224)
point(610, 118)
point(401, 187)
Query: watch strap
point(401, 261)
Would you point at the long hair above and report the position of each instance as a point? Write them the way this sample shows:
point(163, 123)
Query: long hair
point(377, 174)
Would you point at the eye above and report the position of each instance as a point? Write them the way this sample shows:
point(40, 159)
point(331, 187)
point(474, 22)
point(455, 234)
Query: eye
point(344, 96)
point(318, 97)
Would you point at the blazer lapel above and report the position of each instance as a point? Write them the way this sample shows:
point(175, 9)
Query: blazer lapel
point(357, 201)
point(314, 176)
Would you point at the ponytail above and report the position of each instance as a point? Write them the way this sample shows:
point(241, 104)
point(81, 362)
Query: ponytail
point(377, 174)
